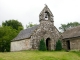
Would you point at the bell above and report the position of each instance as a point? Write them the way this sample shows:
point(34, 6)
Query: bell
point(46, 17)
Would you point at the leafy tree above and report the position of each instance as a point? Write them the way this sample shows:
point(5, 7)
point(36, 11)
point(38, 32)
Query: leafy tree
point(64, 27)
point(42, 46)
point(8, 31)
point(58, 45)
point(30, 25)
point(6, 35)
point(14, 24)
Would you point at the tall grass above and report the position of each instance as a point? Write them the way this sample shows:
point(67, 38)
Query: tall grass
point(40, 55)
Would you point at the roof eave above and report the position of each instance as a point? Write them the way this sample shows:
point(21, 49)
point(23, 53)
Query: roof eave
point(70, 37)
point(20, 39)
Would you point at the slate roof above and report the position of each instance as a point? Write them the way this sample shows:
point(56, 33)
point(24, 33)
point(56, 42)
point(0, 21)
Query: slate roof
point(25, 33)
point(73, 32)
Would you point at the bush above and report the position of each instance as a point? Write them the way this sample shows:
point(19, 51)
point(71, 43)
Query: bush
point(58, 45)
point(42, 46)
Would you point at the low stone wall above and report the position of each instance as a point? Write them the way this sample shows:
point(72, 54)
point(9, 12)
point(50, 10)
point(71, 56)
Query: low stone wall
point(20, 45)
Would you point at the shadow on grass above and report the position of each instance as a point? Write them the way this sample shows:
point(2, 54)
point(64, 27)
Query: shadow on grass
point(76, 52)
point(45, 58)
point(1, 59)
point(48, 58)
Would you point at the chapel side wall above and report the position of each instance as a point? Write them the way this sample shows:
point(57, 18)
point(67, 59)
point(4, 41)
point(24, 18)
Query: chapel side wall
point(20, 45)
point(75, 44)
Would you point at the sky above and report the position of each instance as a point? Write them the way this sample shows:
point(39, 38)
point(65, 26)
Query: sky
point(26, 11)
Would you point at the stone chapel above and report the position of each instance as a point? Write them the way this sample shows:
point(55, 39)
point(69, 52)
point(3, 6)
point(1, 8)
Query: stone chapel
point(29, 39)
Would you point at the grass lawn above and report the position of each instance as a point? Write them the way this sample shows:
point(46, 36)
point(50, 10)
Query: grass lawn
point(40, 55)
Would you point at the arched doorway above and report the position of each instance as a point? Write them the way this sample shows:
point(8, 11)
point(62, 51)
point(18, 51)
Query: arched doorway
point(48, 44)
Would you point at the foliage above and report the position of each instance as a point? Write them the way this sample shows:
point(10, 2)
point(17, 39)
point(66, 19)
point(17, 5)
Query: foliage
point(42, 46)
point(64, 27)
point(6, 35)
point(14, 24)
point(30, 25)
point(58, 45)
point(8, 31)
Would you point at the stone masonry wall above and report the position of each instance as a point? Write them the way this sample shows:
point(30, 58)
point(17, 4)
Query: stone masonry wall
point(46, 30)
point(64, 45)
point(75, 44)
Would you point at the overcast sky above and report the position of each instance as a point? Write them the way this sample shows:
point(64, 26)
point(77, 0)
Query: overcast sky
point(26, 11)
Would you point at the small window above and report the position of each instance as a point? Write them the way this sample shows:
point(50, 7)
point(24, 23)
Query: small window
point(46, 16)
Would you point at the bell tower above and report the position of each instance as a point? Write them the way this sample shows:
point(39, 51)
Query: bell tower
point(46, 15)
point(46, 30)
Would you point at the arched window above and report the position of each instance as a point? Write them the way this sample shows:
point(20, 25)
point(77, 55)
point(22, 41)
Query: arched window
point(46, 16)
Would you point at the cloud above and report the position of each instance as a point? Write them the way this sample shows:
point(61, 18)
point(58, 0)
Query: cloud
point(26, 11)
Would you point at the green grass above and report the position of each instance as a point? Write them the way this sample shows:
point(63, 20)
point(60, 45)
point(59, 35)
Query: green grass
point(40, 55)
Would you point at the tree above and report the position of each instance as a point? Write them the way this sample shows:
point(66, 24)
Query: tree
point(8, 31)
point(30, 25)
point(6, 35)
point(42, 46)
point(64, 27)
point(14, 24)
point(58, 45)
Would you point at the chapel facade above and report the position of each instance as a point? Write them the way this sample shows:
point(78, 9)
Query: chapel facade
point(29, 39)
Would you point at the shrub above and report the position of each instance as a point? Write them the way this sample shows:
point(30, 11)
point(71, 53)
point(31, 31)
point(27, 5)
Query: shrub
point(42, 46)
point(58, 45)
